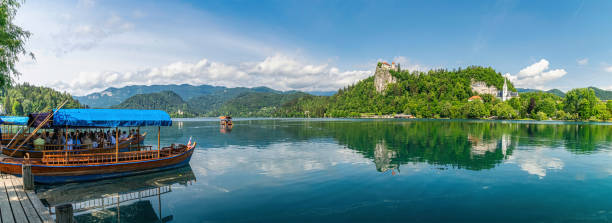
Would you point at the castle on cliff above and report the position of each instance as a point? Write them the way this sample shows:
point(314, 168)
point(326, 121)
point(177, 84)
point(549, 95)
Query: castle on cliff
point(383, 77)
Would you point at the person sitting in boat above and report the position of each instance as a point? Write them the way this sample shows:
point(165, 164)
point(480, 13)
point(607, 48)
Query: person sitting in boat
point(70, 142)
point(77, 140)
point(47, 138)
point(94, 142)
point(123, 137)
point(86, 142)
point(112, 138)
point(39, 142)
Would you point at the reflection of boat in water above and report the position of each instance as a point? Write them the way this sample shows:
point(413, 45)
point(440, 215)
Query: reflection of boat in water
point(123, 199)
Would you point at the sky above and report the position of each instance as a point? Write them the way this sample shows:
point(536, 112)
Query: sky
point(85, 46)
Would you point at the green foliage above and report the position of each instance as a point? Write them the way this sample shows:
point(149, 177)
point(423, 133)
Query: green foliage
point(165, 100)
point(24, 98)
point(256, 104)
point(475, 109)
point(582, 102)
point(436, 93)
point(602, 94)
point(504, 111)
point(541, 116)
point(249, 104)
point(12, 42)
point(602, 113)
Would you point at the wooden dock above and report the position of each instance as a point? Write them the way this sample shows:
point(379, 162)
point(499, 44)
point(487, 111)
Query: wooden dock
point(18, 205)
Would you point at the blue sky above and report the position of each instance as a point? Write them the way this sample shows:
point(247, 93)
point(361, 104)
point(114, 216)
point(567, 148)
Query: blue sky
point(88, 45)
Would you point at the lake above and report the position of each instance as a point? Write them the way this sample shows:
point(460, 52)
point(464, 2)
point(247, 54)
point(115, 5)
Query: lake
point(324, 170)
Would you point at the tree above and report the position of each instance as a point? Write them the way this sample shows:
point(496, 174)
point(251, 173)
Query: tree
point(12, 42)
point(602, 112)
point(17, 109)
point(581, 103)
point(474, 109)
point(504, 111)
point(541, 116)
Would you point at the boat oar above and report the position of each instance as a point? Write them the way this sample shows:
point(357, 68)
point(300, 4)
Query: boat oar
point(39, 127)
point(27, 127)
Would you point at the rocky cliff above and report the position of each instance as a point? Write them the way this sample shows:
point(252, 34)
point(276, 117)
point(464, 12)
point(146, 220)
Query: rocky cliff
point(382, 76)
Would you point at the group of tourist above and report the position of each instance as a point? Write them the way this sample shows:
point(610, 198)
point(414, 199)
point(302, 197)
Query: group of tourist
point(58, 140)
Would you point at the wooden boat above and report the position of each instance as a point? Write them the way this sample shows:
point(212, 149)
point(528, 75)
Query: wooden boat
point(226, 121)
point(71, 166)
point(33, 153)
point(60, 166)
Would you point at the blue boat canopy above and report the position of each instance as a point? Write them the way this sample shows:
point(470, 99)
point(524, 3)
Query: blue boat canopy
point(14, 120)
point(110, 118)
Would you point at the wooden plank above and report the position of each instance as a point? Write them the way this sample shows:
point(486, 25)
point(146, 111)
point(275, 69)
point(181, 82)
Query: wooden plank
point(25, 202)
point(43, 212)
point(18, 213)
point(5, 207)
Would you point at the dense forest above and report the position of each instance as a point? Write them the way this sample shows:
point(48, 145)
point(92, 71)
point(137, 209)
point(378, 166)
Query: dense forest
point(236, 103)
point(23, 99)
point(165, 100)
point(444, 94)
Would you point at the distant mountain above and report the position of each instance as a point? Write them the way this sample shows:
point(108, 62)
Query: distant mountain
point(556, 92)
point(165, 100)
point(234, 102)
point(602, 94)
point(552, 91)
point(114, 96)
point(256, 104)
point(322, 93)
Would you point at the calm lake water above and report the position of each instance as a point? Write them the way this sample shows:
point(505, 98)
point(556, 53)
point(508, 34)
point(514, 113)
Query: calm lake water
point(296, 170)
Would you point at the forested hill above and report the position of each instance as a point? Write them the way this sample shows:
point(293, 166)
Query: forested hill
point(445, 94)
point(600, 93)
point(24, 98)
point(420, 93)
point(114, 96)
point(244, 104)
point(165, 100)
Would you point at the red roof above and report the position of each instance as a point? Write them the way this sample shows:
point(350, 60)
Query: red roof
point(385, 63)
point(475, 97)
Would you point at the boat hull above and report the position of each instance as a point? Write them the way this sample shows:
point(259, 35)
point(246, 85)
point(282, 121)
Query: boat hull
point(54, 174)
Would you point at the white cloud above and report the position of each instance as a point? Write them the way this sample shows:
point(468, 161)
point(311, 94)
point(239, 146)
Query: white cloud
point(536, 75)
point(608, 69)
point(583, 61)
point(536, 162)
point(279, 72)
point(407, 64)
point(76, 35)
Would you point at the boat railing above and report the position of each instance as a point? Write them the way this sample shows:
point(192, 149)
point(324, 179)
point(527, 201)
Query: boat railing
point(73, 157)
point(113, 200)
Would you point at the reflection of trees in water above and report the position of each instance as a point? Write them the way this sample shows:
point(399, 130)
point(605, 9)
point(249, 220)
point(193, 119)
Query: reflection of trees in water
point(389, 143)
point(470, 145)
point(458, 144)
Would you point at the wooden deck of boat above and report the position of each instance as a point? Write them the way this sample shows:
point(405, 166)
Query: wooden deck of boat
point(18, 205)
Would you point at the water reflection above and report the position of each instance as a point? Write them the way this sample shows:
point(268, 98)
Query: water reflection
point(390, 144)
point(128, 199)
point(324, 171)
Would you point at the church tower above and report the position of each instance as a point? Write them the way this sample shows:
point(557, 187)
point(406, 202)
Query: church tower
point(505, 91)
